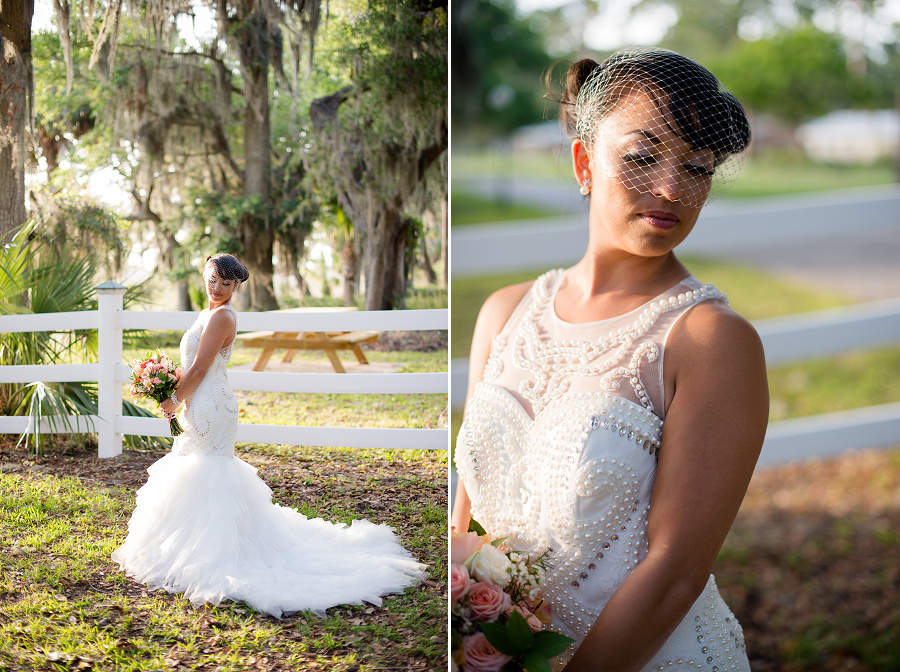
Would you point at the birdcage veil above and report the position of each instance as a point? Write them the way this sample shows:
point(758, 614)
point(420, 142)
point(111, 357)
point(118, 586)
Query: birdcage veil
point(699, 129)
point(228, 267)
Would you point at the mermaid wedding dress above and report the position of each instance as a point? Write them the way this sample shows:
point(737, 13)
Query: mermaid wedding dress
point(558, 453)
point(205, 524)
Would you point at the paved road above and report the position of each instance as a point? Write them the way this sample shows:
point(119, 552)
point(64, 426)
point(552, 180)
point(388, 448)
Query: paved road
point(847, 240)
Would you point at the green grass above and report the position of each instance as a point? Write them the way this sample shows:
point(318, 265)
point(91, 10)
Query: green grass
point(555, 164)
point(421, 297)
point(850, 380)
point(777, 173)
point(63, 603)
point(470, 209)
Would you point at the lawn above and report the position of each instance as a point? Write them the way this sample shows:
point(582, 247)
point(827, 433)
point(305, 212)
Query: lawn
point(471, 209)
point(65, 606)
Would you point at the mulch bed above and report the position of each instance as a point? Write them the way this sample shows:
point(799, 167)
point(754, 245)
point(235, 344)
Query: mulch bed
point(811, 567)
point(399, 341)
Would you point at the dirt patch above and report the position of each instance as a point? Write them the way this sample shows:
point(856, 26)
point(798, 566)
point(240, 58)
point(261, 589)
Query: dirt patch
point(811, 567)
point(420, 341)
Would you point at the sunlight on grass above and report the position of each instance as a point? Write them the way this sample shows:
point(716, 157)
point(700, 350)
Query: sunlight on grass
point(64, 604)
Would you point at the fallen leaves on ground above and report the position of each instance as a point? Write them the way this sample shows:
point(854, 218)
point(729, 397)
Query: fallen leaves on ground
point(811, 567)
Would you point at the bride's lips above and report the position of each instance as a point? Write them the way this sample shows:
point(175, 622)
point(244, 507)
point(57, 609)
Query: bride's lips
point(661, 219)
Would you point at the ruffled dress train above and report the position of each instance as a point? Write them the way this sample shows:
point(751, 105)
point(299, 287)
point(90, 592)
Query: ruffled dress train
point(205, 525)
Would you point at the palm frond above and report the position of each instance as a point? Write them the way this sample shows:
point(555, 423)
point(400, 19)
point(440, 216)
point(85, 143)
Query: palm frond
point(47, 404)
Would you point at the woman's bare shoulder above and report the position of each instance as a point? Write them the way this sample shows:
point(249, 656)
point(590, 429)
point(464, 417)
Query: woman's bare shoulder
point(221, 318)
point(712, 332)
point(498, 308)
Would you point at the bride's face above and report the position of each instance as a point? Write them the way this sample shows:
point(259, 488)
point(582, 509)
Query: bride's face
point(218, 289)
point(648, 183)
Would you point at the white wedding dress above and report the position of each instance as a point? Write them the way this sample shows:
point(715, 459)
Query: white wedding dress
point(558, 453)
point(205, 524)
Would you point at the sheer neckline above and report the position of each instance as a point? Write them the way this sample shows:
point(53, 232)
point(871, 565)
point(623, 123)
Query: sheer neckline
point(593, 323)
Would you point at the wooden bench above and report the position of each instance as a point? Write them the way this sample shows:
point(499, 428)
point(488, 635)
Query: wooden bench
point(329, 342)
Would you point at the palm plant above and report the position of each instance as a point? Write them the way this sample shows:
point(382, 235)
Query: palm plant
point(33, 282)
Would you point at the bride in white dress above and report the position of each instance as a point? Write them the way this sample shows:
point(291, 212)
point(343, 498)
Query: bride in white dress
point(205, 524)
point(623, 382)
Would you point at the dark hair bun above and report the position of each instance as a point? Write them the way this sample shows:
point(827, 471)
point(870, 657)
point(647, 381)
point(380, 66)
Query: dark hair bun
point(575, 77)
point(229, 267)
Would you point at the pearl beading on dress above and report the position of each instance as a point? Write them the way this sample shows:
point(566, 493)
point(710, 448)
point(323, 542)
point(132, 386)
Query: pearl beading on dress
point(575, 480)
point(212, 402)
point(551, 363)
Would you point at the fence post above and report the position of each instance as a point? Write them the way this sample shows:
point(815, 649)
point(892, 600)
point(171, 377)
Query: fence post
point(109, 390)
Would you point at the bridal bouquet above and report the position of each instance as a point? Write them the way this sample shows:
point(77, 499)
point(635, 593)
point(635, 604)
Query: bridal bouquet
point(496, 620)
point(156, 377)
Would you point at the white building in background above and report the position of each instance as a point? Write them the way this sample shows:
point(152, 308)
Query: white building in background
point(851, 136)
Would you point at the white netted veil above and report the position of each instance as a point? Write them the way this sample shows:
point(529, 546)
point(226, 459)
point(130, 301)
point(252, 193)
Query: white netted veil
point(655, 121)
point(228, 267)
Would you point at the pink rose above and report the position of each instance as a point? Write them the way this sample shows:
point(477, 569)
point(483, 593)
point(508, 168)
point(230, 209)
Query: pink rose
point(156, 380)
point(487, 601)
point(481, 656)
point(462, 546)
point(460, 582)
point(533, 621)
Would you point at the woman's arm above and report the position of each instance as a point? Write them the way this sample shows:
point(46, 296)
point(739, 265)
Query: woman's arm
point(493, 315)
point(219, 331)
point(711, 440)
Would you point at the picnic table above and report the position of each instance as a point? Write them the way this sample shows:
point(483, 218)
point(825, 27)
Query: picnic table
point(292, 341)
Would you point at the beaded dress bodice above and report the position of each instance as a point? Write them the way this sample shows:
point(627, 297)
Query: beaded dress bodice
point(558, 452)
point(210, 415)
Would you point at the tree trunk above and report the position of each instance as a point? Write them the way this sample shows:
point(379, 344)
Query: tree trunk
point(401, 283)
point(257, 244)
point(445, 240)
point(350, 271)
point(425, 264)
point(63, 22)
point(184, 295)
point(256, 234)
point(386, 243)
point(15, 86)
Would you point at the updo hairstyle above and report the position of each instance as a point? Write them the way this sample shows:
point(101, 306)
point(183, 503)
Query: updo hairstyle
point(228, 267)
point(695, 106)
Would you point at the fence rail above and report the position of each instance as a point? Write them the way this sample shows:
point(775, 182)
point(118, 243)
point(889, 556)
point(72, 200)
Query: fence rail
point(110, 373)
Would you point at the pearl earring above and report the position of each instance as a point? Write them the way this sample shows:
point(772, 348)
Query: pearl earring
point(585, 187)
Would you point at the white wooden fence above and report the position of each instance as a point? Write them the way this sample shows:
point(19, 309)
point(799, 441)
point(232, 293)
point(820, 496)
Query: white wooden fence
point(111, 373)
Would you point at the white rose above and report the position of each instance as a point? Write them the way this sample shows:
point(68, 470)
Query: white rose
point(490, 565)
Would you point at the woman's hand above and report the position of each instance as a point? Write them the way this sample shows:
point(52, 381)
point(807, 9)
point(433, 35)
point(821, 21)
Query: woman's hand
point(169, 407)
point(219, 332)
